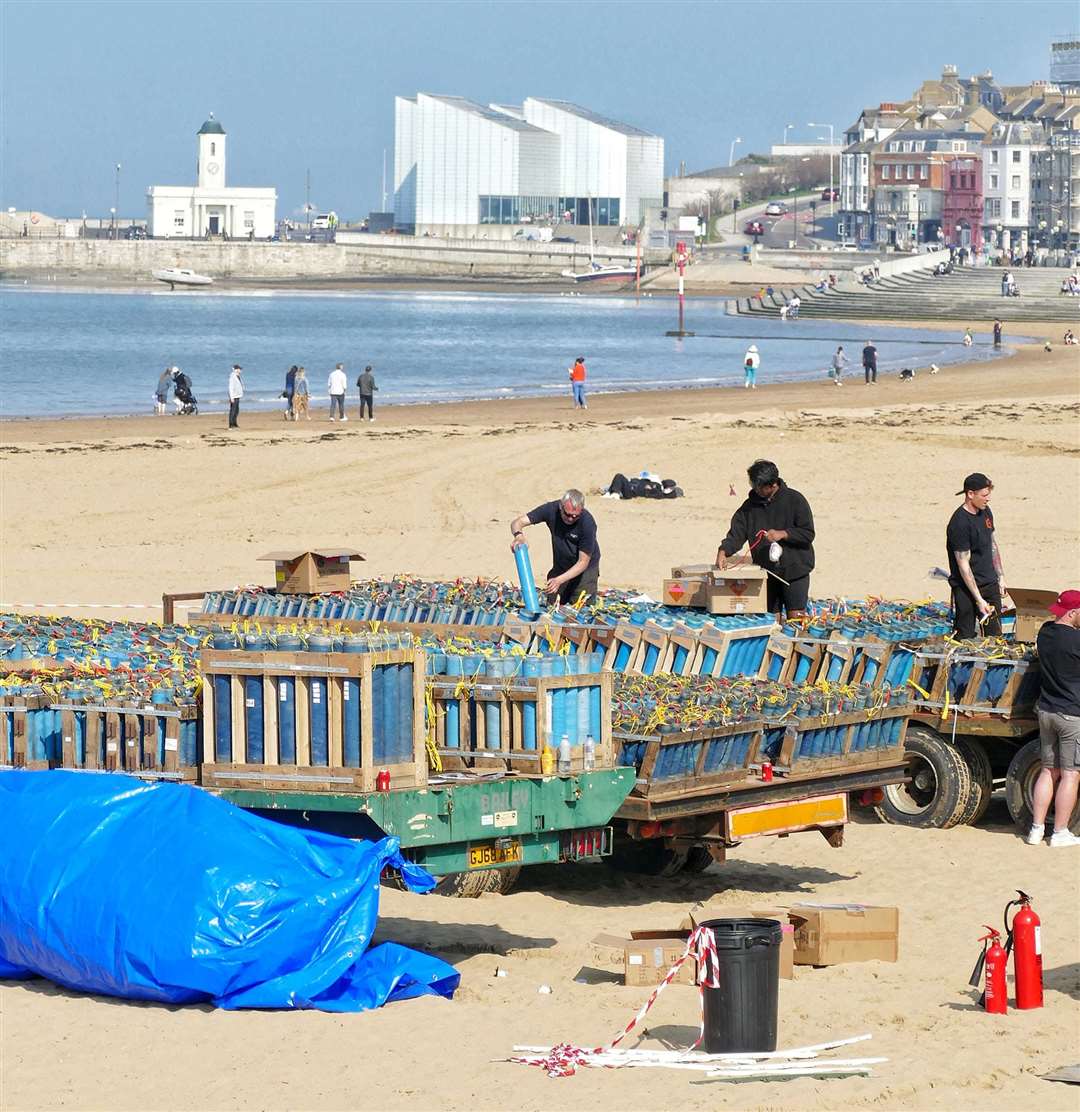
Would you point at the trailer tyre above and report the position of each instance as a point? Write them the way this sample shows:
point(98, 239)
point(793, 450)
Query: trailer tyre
point(1019, 783)
point(698, 860)
point(937, 795)
point(649, 857)
point(981, 776)
point(468, 886)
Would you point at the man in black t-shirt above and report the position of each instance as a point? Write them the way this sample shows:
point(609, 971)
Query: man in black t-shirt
point(869, 363)
point(975, 571)
point(575, 553)
point(1059, 722)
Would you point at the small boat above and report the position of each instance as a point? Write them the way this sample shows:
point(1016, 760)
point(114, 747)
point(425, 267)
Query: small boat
point(598, 273)
point(176, 276)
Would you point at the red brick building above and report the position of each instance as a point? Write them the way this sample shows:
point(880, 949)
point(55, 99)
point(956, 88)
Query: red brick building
point(962, 203)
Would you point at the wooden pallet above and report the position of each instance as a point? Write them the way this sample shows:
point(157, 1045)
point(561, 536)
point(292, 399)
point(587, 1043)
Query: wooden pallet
point(15, 731)
point(507, 701)
point(143, 740)
point(724, 642)
point(315, 676)
point(1016, 700)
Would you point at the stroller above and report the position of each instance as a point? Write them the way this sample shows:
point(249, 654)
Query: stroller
point(186, 402)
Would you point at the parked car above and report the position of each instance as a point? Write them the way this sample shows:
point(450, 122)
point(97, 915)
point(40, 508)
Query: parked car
point(830, 194)
point(136, 232)
point(775, 208)
point(754, 228)
point(563, 239)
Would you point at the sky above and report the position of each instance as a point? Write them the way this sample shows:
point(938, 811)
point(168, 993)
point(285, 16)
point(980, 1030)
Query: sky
point(309, 86)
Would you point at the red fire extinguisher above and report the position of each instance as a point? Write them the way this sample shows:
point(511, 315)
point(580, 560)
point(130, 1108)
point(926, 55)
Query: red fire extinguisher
point(1024, 938)
point(995, 997)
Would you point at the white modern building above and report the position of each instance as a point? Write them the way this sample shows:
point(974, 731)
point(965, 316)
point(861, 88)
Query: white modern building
point(1008, 155)
point(210, 208)
point(460, 165)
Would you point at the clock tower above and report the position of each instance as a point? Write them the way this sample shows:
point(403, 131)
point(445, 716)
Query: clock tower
point(210, 169)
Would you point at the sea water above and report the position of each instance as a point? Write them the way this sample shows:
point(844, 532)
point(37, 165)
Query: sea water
point(65, 352)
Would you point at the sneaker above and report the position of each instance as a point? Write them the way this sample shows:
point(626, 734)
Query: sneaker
point(1063, 838)
point(333, 418)
point(371, 418)
point(344, 418)
point(1035, 835)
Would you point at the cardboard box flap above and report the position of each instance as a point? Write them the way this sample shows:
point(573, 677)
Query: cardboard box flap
point(327, 552)
point(740, 571)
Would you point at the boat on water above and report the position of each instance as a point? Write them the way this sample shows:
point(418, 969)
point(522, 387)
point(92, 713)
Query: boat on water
point(598, 273)
point(177, 276)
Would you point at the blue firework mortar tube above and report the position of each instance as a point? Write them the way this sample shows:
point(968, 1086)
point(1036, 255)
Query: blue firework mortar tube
point(529, 595)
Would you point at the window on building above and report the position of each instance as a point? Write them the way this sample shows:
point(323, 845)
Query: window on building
point(249, 220)
point(213, 149)
point(920, 145)
point(886, 171)
point(923, 171)
point(1014, 210)
point(1016, 156)
point(992, 208)
point(179, 219)
point(952, 181)
point(958, 146)
point(994, 157)
point(1016, 181)
point(993, 181)
point(909, 171)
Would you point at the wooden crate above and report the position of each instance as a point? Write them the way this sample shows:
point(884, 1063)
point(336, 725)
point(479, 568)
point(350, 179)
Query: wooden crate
point(684, 763)
point(624, 648)
point(20, 719)
point(681, 651)
point(970, 696)
point(503, 703)
point(845, 741)
point(143, 739)
point(315, 677)
point(872, 662)
point(652, 648)
point(727, 645)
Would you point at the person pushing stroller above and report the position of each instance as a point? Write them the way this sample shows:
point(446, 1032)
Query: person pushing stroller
point(183, 398)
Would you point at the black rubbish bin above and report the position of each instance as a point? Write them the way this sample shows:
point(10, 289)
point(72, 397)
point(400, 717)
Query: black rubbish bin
point(741, 1013)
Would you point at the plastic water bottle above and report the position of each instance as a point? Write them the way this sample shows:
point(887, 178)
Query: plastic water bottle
point(564, 756)
point(589, 753)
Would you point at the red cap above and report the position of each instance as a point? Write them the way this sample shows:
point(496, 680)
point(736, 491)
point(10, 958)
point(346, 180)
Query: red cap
point(1066, 601)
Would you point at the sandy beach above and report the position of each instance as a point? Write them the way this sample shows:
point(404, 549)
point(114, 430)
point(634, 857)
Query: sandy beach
point(120, 510)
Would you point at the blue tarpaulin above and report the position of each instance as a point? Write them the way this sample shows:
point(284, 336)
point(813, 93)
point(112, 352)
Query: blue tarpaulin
point(159, 891)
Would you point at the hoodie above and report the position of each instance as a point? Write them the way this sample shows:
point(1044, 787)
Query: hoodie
point(787, 509)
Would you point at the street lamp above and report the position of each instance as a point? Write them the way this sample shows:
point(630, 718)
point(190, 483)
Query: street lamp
point(112, 227)
point(117, 208)
point(731, 149)
point(830, 127)
point(787, 128)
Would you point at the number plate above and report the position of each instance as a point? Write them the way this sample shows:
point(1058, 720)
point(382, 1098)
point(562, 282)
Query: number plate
point(503, 852)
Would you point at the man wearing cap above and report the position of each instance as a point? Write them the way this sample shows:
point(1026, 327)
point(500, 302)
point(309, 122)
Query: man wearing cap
point(236, 392)
point(1059, 722)
point(975, 572)
point(575, 553)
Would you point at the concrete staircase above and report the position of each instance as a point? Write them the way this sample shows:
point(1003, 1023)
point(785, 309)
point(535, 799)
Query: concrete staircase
point(965, 295)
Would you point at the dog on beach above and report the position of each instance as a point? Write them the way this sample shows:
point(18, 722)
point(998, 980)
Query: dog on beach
point(907, 374)
point(933, 368)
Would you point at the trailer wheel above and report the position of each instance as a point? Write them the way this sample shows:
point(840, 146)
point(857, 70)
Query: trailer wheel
point(505, 879)
point(981, 775)
point(938, 789)
point(1019, 784)
point(470, 885)
point(649, 857)
point(698, 860)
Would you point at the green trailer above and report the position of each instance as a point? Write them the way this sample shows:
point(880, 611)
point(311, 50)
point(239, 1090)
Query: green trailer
point(474, 832)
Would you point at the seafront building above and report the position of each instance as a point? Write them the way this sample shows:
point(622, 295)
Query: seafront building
point(210, 209)
point(461, 166)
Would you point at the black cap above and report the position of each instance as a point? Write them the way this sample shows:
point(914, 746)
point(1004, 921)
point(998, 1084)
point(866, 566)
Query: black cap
point(976, 481)
point(237, 367)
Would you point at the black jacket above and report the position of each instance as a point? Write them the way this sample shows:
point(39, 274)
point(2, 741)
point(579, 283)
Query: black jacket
point(788, 510)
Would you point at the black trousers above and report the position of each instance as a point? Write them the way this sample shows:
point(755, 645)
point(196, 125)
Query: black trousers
point(870, 372)
point(587, 583)
point(787, 598)
point(366, 400)
point(234, 412)
point(966, 613)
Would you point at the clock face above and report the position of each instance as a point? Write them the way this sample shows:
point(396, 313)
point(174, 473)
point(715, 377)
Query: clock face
point(212, 167)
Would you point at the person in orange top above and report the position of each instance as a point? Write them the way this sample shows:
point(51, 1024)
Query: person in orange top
point(577, 382)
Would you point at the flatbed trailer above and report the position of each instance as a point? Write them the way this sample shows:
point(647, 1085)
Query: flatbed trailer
point(474, 833)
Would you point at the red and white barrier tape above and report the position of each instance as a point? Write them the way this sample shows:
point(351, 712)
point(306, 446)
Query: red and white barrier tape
point(563, 1060)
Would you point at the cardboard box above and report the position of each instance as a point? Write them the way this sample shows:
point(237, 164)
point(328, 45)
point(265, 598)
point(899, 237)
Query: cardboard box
point(647, 955)
point(686, 591)
point(712, 909)
point(738, 590)
point(1031, 611)
point(833, 934)
point(309, 571)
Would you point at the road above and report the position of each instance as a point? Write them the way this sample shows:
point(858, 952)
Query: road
point(780, 230)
